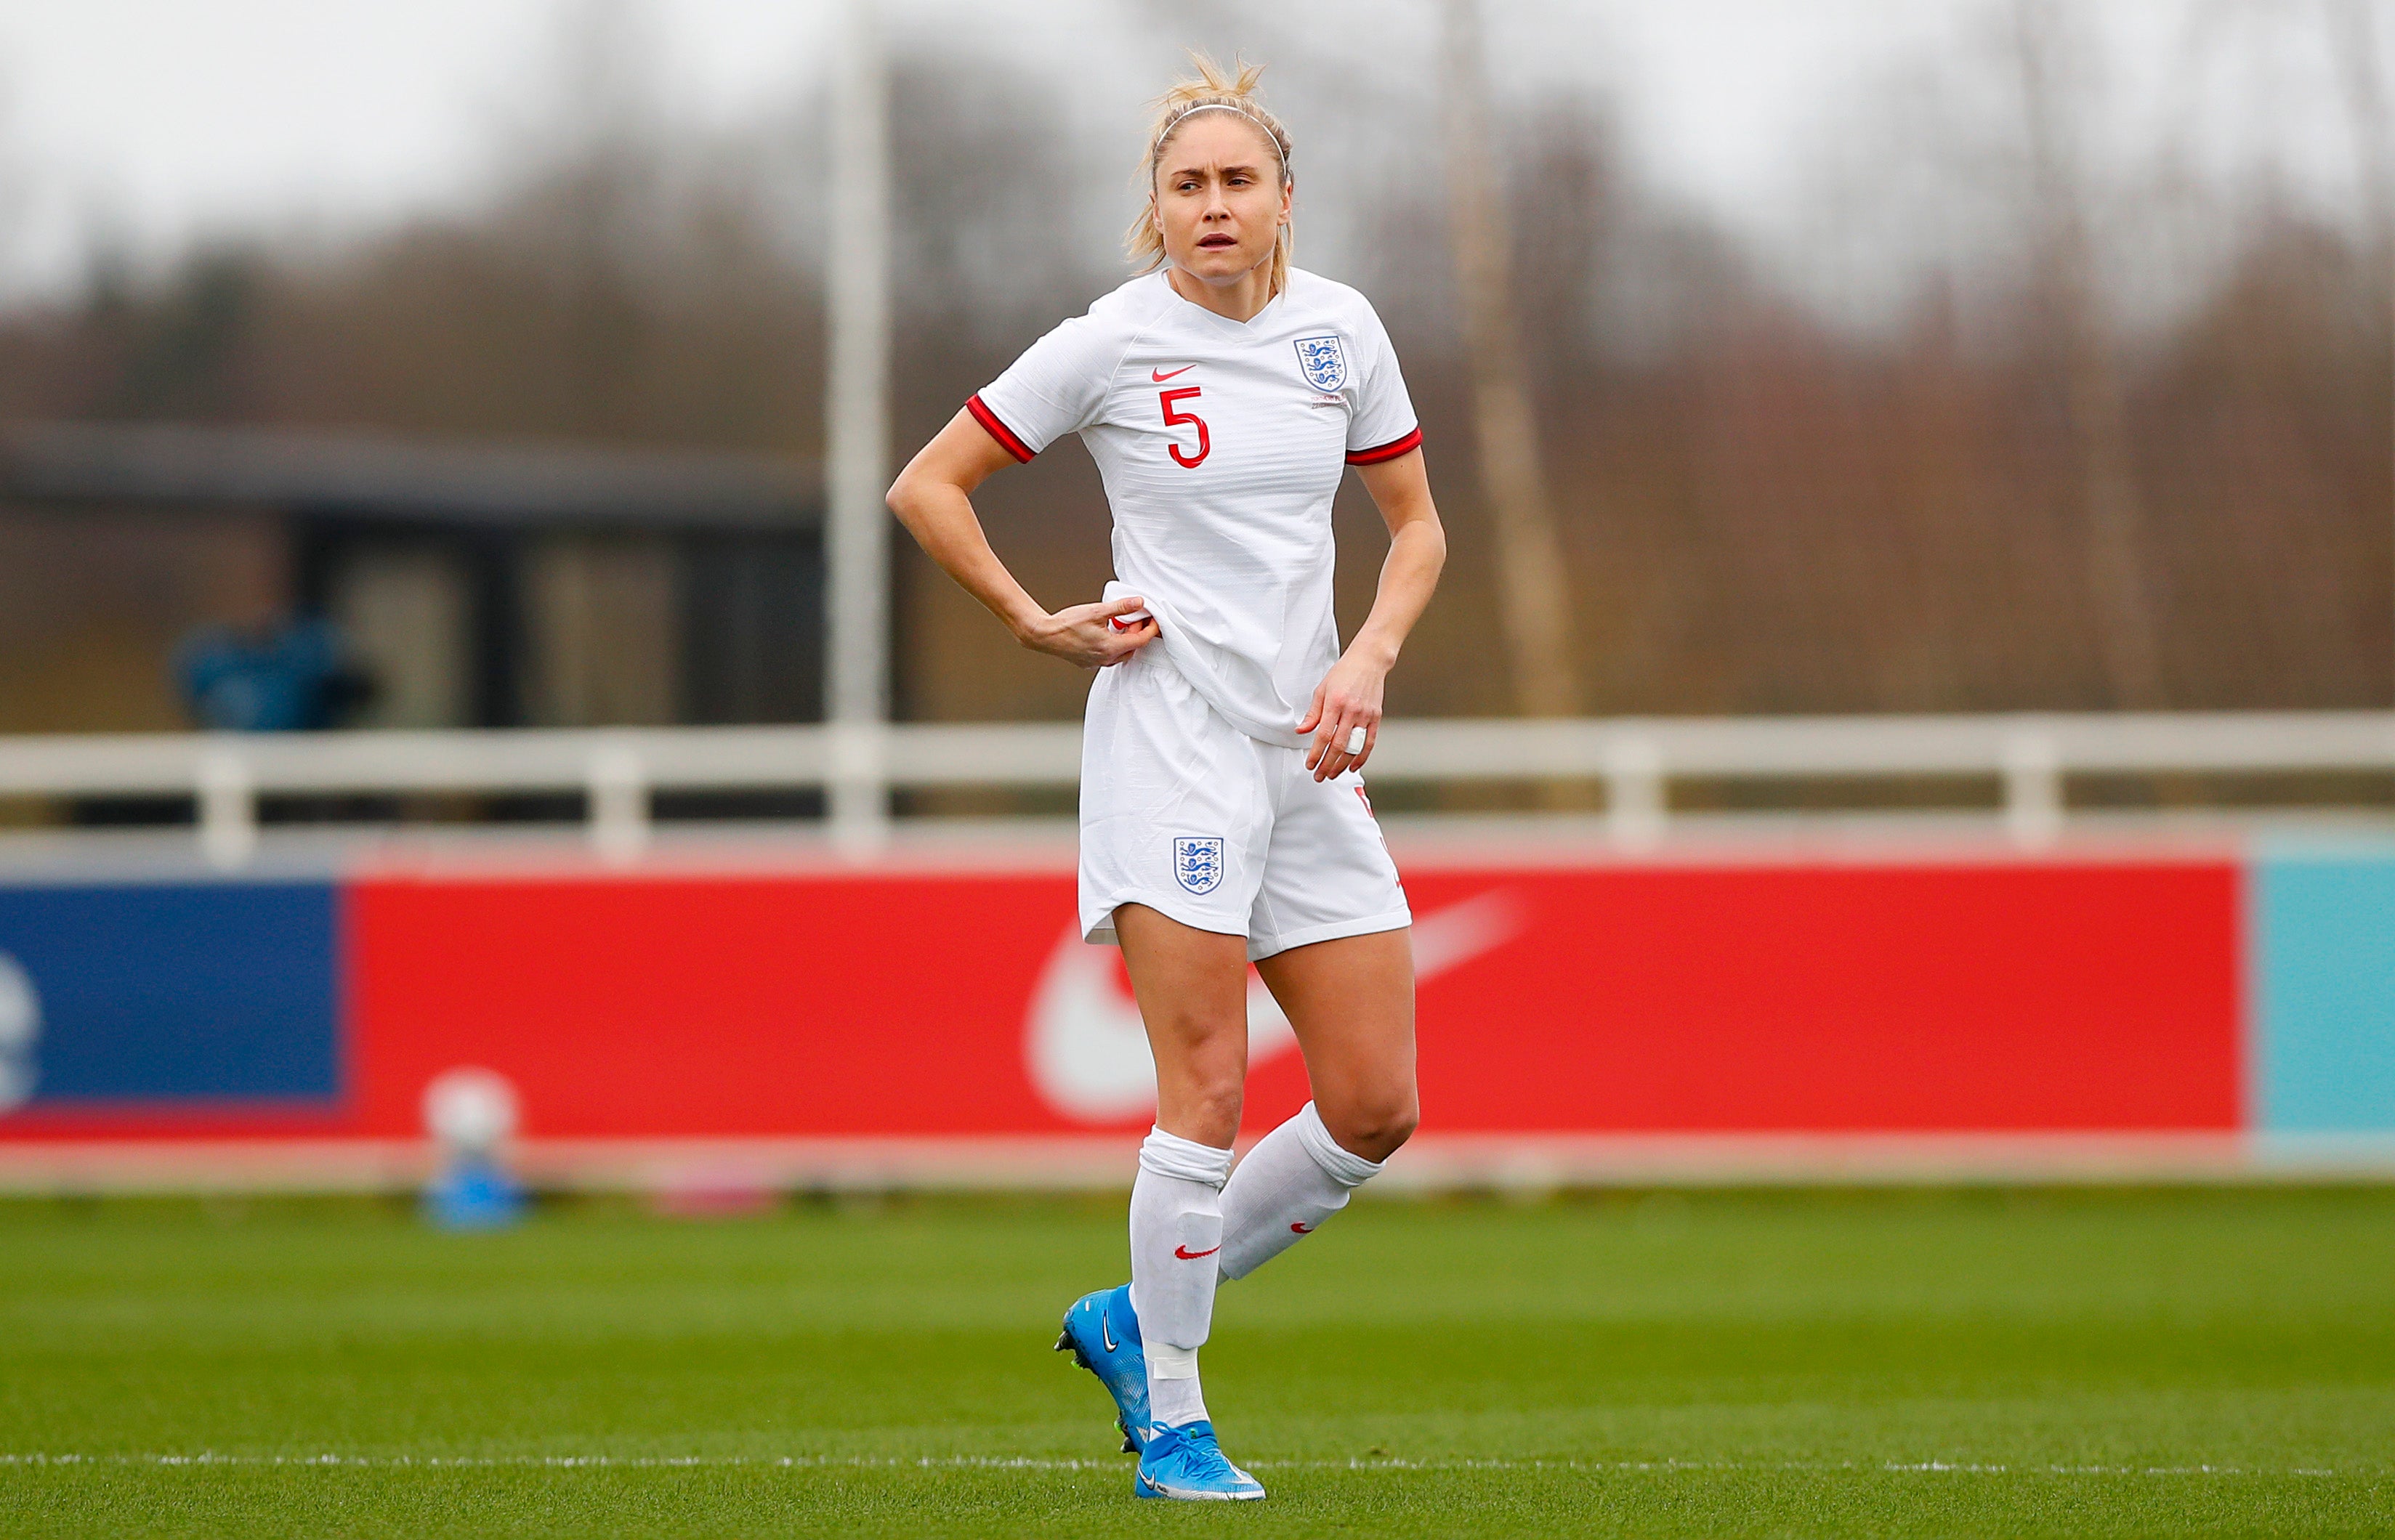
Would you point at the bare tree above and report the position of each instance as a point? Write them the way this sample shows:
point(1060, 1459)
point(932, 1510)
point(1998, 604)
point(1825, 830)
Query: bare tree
point(2354, 41)
point(1533, 588)
point(14, 197)
point(1766, 509)
point(2092, 383)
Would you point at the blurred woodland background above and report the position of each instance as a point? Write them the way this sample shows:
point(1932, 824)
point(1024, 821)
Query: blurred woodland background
point(2025, 420)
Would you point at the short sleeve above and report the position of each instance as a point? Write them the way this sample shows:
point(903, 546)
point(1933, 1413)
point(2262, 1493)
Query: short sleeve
point(1057, 386)
point(1381, 423)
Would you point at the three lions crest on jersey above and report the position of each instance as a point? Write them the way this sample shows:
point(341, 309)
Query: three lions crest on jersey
point(1323, 363)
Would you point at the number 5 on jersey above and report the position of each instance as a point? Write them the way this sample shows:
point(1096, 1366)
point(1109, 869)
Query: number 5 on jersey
point(1175, 418)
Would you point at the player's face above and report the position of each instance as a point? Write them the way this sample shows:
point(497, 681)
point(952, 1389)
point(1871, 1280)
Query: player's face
point(1219, 197)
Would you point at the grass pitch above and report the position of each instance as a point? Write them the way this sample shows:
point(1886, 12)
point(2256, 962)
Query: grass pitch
point(1939, 1363)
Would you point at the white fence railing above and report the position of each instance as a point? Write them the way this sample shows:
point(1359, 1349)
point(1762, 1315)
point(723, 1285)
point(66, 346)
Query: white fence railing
point(1634, 758)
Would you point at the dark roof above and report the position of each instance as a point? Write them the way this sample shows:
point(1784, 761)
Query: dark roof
point(388, 477)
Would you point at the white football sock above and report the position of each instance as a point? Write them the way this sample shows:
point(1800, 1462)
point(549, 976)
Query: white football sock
point(1295, 1177)
point(1176, 1235)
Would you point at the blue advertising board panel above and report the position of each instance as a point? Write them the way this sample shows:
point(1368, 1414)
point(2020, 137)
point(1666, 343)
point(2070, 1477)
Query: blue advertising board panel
point(156, 993)
point(2323, 950)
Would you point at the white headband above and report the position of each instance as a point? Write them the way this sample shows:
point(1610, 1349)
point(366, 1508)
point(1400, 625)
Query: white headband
point(1174, 122)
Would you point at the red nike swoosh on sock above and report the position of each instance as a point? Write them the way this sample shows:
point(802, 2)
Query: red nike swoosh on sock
point(1303, 1230)
point(1188, 1255)
point(1160, 376)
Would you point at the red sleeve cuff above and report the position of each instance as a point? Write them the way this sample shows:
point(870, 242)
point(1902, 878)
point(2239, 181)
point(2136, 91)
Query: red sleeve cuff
point(1389, 451)
point(1005, 435)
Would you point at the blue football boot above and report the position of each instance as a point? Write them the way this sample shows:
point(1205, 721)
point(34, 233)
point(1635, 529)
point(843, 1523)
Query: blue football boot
point(1187, 1465)
point(1103, 1336)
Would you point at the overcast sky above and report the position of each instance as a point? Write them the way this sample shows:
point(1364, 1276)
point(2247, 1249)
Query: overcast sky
point(150, 122)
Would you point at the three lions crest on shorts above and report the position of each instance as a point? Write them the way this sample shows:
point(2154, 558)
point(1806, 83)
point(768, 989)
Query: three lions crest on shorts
point(1322, 362)
point(1197, 862)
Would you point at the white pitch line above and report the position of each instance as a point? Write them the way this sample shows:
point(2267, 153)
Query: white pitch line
point(993, 1462)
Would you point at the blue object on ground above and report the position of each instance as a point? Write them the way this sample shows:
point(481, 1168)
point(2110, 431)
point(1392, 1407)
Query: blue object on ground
point(474, 1193)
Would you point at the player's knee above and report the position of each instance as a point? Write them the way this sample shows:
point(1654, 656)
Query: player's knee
point(1374, 1125)
point(1220, 1100)
point(1210, 1095)
point(1390, 1127)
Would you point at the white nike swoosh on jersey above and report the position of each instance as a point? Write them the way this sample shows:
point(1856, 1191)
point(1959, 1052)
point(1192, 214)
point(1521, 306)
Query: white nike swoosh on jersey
point(1087, 1052)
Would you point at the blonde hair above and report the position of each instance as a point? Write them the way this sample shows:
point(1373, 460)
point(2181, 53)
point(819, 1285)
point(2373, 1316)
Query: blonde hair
point(1214, 88)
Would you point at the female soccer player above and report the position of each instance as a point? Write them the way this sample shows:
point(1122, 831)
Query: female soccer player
point(1222, 818)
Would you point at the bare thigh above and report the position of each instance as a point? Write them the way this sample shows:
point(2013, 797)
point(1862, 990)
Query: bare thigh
point(1192, 988)
point(1352, 1002)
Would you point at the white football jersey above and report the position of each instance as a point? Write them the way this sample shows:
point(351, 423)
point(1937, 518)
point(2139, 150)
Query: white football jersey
point(1222, 445)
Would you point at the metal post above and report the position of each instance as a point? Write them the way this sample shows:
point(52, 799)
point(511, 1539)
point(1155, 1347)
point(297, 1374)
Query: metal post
point(228, 810)
point(1635, 807)
point(618, 790)
point(2032, 789)
point(857, 692)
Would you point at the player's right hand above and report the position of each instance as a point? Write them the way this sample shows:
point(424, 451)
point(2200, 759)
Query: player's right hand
point(1085, 633)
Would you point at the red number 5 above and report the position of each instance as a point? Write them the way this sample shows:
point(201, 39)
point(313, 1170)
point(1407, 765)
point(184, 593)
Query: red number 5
point(1175, 419)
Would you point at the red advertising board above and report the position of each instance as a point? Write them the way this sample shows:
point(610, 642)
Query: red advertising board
point(1999, 997)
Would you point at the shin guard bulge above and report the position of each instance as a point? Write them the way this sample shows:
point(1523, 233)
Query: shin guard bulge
point(1295, 1177)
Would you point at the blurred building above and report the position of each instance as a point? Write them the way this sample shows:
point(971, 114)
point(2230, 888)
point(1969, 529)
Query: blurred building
point(481, 587)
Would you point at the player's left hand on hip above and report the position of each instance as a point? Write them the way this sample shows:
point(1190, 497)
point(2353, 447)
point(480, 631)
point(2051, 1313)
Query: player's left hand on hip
point(1345, 720)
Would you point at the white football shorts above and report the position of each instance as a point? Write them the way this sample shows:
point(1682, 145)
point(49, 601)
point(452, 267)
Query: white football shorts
point(1185, 813)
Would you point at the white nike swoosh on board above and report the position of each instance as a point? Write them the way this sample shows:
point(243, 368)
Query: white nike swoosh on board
point(1087, 1051)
